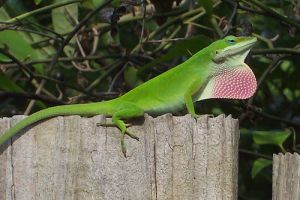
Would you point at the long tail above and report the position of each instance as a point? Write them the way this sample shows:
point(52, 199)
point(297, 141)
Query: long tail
point(76, 109)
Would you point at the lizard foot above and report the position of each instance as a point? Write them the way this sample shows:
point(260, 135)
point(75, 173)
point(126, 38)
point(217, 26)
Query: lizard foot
point(133, 136)
point(111, 124)
point(123, 146)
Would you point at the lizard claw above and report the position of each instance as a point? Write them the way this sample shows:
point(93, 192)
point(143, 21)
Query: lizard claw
point(132, 135)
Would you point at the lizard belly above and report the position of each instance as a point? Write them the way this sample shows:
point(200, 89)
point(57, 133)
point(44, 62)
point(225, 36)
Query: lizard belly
point(158, 105)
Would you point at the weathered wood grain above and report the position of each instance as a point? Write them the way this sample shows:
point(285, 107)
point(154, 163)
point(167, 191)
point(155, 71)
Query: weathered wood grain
point(286, 176)
point(71, 158)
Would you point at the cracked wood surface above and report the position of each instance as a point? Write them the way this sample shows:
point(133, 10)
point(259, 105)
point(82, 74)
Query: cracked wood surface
point(286, 176)
point(71, 158)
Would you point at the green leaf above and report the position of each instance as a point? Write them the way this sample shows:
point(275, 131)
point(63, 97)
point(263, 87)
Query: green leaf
point(91, 4)
point(188, 47)
point(19, 44)
point(128, 36)
point(271, 137)
point(87, 4)
point(114, 3)
point(10, 38)
point(7, 85)
point(64, 19)
point(131, 78)
point(23, 50)
point(259, 165)
point(37, 2)
point(208, 6)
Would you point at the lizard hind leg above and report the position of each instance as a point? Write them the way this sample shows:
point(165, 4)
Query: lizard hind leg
point(112, 124)
point(128, 111)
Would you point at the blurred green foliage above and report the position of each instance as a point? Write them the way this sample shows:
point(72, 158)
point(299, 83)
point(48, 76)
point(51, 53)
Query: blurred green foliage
point(128, 42)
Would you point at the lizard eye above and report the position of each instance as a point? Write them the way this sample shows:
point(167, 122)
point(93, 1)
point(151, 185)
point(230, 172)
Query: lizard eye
point(231, 41)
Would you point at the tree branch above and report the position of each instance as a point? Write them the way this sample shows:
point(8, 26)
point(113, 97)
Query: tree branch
point(292, 51)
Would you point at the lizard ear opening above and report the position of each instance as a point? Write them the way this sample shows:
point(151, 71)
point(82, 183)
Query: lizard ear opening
point(233, 83)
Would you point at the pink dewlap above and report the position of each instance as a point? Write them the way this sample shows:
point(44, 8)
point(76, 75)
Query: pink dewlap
point(239, 83)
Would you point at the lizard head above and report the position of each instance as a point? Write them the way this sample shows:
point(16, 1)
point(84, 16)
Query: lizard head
point(232, 49)
point(230, 77)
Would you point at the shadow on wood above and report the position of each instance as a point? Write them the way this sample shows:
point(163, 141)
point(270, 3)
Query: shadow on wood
point(71, 158)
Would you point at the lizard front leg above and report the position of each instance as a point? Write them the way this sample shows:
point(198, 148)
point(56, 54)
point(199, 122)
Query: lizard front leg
point(188, 98)
point(190, 105)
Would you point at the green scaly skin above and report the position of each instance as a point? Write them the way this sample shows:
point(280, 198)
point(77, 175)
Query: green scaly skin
point(171, 91)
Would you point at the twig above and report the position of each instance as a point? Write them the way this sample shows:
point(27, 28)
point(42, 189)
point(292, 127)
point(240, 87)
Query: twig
point(6, 52)
point(34, 75)
point(95, 41)
point(245, 151)
point(165, 40)
point(116, 77)
point(200, 26)
point(63, 83)
point(272, 117)
point(275, 63)
point(35, 83)
point(87, 67)
point(67, 39)
point(63, 59)
point(74, 32)
point(233, 15)
point(241, 7)
point(274, 13)
point(52, 6)
point(32, 101)
point(292, 51)
point(40, 97)
point(268, 42)
point(173, 21)
point(124, 19)
point(98, 80)
point(143, 23)
point(215, 25)
point(34, 32)
point(25, 68)
point(163, 45)
point(47, 29)
point(190, 27)
point(259, 112)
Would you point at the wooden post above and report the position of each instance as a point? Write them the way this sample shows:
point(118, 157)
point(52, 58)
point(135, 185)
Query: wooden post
point(286, 176)
point(71, 158)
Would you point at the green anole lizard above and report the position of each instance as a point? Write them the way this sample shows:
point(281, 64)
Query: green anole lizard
point(217, 71)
